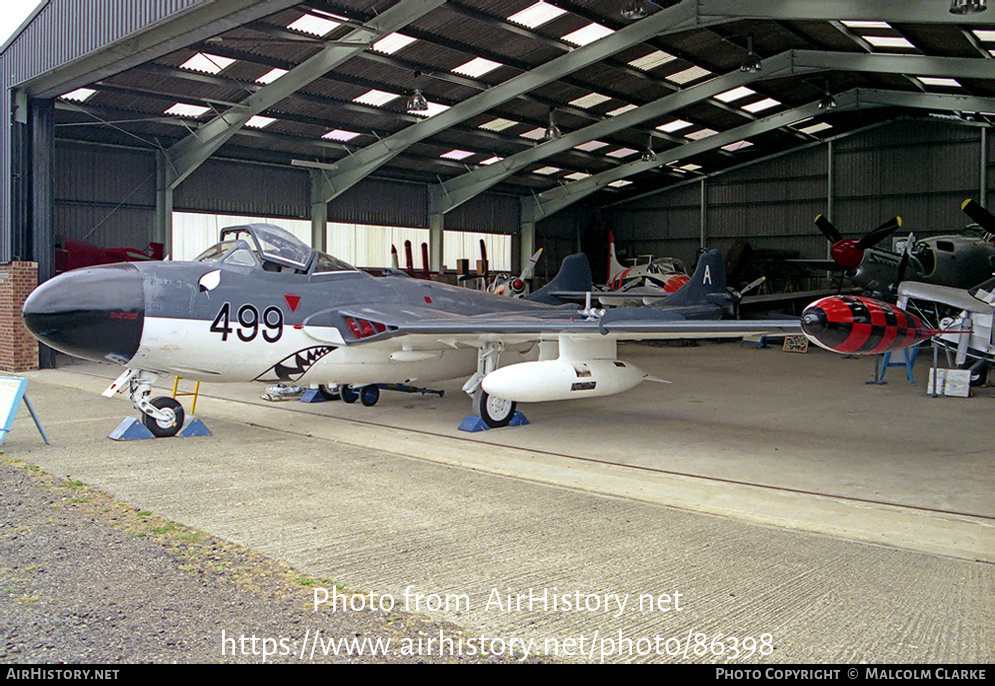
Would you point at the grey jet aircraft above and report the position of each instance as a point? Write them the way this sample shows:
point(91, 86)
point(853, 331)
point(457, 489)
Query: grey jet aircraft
point(262, 305)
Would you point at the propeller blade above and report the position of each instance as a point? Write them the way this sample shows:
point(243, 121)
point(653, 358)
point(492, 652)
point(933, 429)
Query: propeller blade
point(904, 262)
point(880, 233)
point(979, 214)
point(531, 266)
point(827, 229)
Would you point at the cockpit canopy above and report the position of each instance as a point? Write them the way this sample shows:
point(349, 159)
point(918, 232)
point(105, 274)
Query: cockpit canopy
point(271, 248)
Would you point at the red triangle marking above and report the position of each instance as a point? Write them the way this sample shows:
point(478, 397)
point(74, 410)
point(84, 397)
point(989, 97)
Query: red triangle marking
point(292, 301)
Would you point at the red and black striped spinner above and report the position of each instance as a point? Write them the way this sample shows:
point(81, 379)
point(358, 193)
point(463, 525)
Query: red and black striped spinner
point(856, 325)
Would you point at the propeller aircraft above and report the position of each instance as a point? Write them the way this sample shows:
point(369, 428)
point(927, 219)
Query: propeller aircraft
point(959, 261)
point(261, 305)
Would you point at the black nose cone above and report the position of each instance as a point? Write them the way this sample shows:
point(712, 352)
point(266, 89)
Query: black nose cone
point(97, 313)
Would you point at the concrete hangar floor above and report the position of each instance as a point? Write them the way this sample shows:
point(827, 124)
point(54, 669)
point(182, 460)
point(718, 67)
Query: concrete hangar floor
point(782, 503)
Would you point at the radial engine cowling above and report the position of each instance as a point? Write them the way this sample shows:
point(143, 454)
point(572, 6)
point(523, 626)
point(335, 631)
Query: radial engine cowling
point(532, 382)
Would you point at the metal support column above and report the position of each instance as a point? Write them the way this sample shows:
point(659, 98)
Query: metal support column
point(20, 210)
point(436, 228)
point(527, 234)
point(319, 215)
point(983, 199)
point(704, 212)
point(163, 203)
point(42, 122)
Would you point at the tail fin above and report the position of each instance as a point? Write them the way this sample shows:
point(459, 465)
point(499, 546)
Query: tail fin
point(706, 286)
point(614, 266)
point(574, 275)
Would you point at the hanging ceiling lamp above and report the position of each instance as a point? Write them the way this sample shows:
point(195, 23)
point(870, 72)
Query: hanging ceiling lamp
point(967, 6)
point(417, 101)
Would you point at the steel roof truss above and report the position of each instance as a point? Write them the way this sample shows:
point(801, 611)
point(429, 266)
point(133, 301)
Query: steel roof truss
point(188, 154)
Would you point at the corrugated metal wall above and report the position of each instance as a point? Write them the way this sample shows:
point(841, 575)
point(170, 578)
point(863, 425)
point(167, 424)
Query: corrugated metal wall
point(921, 170)
point(105, 196)
point(228, 187)
point(486, 213)
point(389, 203)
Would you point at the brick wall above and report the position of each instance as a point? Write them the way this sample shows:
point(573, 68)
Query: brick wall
point(18, 348)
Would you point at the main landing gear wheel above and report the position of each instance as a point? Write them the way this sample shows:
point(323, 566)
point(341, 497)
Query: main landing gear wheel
point(979, 373)
point(349, 395)
point(369, 395)
point(165, 428)
point(496, 412)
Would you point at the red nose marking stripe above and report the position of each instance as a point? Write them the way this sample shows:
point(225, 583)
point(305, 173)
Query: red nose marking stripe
point(674, 283)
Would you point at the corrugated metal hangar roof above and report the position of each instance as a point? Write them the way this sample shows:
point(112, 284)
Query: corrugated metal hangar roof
point(560, 100)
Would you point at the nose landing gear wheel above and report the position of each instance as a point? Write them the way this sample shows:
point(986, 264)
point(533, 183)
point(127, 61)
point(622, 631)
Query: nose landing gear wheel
point(349, 395)
point(161, 428)
point(496, 412)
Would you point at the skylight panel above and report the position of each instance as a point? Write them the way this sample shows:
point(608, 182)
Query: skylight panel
point(340, 135)
point(316, 26)
point(478, 66)
point(688, 75)
point(816, 128)
point(701, 133)
point(621, 110)
point(534, 134)
point(866, 24)
point(890, 42)
point(761, 105)
point(622, 152)
point(457, 155)
point(207, 63)
point(434, 108)
point(259, 122)
point(621, 183)
point(652, 60)
point(588, 34)
point(79, 95)
point(735, 94)
point(490, 160)
point(536, 15)
point(271, 76)
point(590, 100)
point(393, 42)
point(673, 126)
point(690, 166)
point(577, 176)
point(499, 124)
point(183, 110)
point(985, 35)
point(738, 145)
point(590, 146)
point(375, 98)
point(547, 171)
point(939, 82)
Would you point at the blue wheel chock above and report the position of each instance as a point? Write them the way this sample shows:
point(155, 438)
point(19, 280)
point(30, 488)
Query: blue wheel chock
point(132, 429)
point(473, 423)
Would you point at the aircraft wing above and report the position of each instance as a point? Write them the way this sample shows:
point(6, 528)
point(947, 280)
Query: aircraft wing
point(632, 323)
point(955, 297)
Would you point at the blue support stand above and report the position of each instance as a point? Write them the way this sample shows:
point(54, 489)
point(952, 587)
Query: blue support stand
point(473, 423)
point(132, 429)
point(909, 362)
point(312, 395)
point(194, 427)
